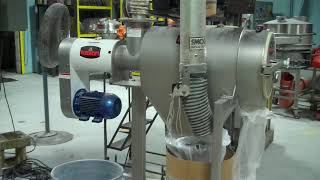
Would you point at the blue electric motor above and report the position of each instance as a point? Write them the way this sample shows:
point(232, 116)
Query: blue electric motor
point(97, 105)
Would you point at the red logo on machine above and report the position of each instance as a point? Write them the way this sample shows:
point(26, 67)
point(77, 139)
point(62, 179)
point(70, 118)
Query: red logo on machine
point(90, 52)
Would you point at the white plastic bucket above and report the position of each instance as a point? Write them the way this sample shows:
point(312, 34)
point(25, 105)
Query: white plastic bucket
point(88, 170)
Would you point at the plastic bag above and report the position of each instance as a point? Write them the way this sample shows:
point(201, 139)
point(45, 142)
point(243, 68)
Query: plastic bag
point(251, 144)
point(196, 148)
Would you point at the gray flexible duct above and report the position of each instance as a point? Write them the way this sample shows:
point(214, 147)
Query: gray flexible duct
point(197, 107)
point(54, 27)
point(139, 7)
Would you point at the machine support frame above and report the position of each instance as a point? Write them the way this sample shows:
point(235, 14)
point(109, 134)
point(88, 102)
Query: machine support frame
point(223, 108)
point(138, 147)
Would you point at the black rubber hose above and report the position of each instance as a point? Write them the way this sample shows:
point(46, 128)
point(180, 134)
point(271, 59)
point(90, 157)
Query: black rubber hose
point(54, 27)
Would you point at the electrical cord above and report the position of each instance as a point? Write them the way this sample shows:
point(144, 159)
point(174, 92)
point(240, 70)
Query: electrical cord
point(7, 102)
point(4, 87)
point(178, 119)
point(31, 169)
point(170, 115)
point(173, 118)
point(34, 143)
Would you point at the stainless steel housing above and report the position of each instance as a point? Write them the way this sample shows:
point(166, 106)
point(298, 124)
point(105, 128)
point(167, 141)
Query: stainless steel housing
point(234, 59)
point(292, 33)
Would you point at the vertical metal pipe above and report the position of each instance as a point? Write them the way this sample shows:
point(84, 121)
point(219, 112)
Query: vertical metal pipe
point(296, 89)
point(105, 133)
point(192, 25)
point(193, 52)
point(136, 29)
point(46, 99)
point(105, 139)
point(193, 56)
point(217, 142)
point(134, 44)
point(138, 133)
point(129, 102)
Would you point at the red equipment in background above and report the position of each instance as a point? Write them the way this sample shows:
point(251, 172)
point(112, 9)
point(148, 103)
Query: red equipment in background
point(316, 58)
point(287, 83)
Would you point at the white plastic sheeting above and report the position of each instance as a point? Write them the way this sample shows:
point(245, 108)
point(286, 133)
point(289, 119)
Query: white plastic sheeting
point(251, 144)
point(195, 148)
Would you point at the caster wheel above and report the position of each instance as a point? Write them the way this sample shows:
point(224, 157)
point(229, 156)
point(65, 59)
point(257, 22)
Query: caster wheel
point(275, 101)
point(313, 107)
point(317, 115)
point(297, 115)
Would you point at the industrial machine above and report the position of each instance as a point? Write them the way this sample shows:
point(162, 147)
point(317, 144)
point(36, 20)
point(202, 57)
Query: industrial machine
point(196, 76)
point(293, 47)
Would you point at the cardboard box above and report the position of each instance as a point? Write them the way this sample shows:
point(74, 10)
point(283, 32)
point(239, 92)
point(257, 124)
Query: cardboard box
point(178, 169)
point(211, 9)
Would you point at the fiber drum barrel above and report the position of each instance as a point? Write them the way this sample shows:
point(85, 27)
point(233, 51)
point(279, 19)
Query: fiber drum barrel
point(88, 170)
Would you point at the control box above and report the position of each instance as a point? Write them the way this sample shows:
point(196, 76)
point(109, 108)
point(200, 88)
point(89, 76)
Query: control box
point(13, 15)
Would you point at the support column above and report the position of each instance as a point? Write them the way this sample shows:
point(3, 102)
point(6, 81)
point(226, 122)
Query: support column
point(138, 132)
point(46, 99)
point(223, 108)
point(217, 141)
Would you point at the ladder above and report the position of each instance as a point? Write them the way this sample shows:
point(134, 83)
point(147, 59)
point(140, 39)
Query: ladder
point(125, 127)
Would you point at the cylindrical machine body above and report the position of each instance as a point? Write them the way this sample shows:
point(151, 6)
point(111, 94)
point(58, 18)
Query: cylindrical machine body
point(234, 61)
point(78, 58)
point(92, 55)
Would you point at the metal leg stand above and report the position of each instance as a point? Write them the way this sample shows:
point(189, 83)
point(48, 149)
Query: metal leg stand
point(138, 134)
point(223, 108)
point(105, 132)
point(295, 109)
point(46, 101)
point(49, 137)
point(313, 92)
point(105, 128)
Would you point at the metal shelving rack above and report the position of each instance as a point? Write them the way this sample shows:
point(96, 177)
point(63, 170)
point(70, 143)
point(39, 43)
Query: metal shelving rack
point(294, 50)
point(314, 93)
point(80, 8)
point(296, 71)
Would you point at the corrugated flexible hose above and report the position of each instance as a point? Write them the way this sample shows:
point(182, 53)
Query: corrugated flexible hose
point(197, 107)
point(139, 7)
point(54, 27)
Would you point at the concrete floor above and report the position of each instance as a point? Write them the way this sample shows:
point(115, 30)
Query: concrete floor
point(294, 154)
